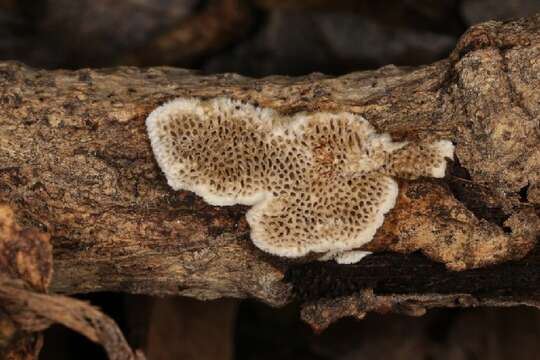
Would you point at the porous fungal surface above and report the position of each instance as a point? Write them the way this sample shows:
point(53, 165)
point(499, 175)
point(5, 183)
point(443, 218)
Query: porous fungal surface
point(317, 182)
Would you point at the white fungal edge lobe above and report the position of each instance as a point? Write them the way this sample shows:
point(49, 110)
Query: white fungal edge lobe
point(345, 257)
point(335, 246)
point(446, 150)
point(154, 119)
point(193, 106)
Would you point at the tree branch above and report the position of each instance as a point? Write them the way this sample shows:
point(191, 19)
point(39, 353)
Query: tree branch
point(75, 162)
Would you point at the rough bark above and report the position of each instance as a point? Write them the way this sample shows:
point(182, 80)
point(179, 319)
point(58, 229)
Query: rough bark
point(26, 308)
point(76, 163)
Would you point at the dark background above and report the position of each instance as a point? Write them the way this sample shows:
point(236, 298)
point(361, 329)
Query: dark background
point(289, 37)
point(260, 38)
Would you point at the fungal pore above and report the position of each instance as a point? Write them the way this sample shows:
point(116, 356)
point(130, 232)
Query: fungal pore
point(317, 182)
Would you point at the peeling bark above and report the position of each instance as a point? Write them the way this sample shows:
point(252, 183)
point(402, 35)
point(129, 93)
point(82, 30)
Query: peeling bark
point(76, 161)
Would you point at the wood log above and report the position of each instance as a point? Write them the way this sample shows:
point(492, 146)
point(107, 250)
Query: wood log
point(25, 307)
point(75, 162)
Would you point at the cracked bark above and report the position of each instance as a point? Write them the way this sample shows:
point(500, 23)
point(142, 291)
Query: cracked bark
point(75, 162)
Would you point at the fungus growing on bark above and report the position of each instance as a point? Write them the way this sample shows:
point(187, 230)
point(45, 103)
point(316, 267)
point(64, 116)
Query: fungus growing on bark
point(317, 182)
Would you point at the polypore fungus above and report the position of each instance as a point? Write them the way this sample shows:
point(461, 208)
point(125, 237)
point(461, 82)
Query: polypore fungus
point(317, 182)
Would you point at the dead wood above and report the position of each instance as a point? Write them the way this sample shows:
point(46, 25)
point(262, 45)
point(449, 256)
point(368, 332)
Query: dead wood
point(26, 309)
point(76, 163)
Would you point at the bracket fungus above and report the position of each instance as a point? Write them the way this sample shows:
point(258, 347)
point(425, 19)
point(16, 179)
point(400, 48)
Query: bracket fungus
point(317, 182)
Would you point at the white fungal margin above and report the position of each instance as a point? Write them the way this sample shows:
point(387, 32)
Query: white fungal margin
point(345, 257)
point(446, 150)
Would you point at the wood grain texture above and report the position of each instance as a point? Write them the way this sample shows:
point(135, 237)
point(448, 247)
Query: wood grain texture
point(75, 162)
